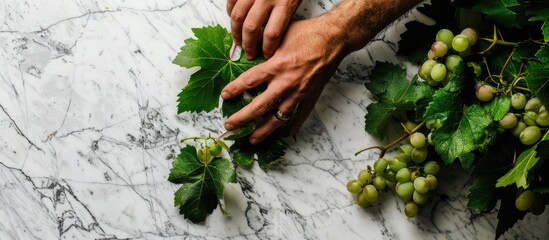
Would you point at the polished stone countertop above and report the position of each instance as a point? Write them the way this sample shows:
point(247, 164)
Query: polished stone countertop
point(89, 130)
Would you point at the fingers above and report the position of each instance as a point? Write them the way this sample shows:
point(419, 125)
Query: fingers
point(238, 15)
point(261, 105)
point(252, 28)
point(230, 6)
point(272, 123)
point(272, 34)
point(306, 106)
point(247, 80)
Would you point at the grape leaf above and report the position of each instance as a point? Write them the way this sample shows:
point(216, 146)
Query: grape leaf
point(498, 107)
point(202, 184)
point(524, 163)
point(498, 11)
point(458, 138)
point(267, 153)
point(543, 54)
point(483, 194)
point(538, 80)
point(508, 214)
point(388, 82)
point(210, 52)
point(526, 50)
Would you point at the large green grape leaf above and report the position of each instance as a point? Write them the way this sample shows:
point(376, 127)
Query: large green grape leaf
point(526, 160)
point(464, 129)
point(508, 214)
point(209, 51)
point(202, 184)
point(538, 80)
point(458, 138)
point(498, 107)
point(389, 84)
point(543, 54)
point(498, 11)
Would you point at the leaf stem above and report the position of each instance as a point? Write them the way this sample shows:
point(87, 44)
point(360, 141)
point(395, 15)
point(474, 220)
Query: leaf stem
point(385, 148)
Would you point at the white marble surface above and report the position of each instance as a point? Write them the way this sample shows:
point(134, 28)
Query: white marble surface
point(88, 132)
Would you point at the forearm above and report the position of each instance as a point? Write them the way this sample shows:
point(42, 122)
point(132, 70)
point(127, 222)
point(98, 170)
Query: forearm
point(357, 21)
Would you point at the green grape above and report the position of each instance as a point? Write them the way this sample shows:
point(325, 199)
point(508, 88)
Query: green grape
point(418, 140)
point(433, 124)
point(438, 72)
point(538, 206)
point(518, 129)
point(452, 61)
point(430, 139)
point(508, 121)
point(405, 190)
point(534, 104)
point(390, 176)
point(403, 175)
point(203, 155)
point(421, 185)
point(370, 193)
point(361, 200)
point(411, 209)
point(215, 149)
point(395, 164)
point(543, 119)
point(432, 180)
point(414, 175)
point(530, 135)
point(365, 176)
point(403, 157)
point(476, 68)
point(409, 125)
point(432, 82)
point(425, 69)
point(445, 36)
point(439, 48)
point(380, 165)
point(518, 101)
point(471, 34)
point(431, 167)
point(525, 200)
point(354, 186)
point(420, 198)
point(485, 92)
point(541, 109)
point(431, 55)
point(460, 43)
point(419, 155)
point(406, 149)
point(530, 118)
point(380, 183)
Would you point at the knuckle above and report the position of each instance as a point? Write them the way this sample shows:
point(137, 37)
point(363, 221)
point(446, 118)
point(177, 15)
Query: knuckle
point(250, 28)
point(271, 35)
point(237, 16)
point(261, 108)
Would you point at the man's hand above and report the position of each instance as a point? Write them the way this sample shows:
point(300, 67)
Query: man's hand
point(296, 73)
point(248, 18)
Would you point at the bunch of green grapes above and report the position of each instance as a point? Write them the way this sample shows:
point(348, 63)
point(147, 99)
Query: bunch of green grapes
point(412, 176)
point(526, 119)
point(208, 151)
point(445, 55)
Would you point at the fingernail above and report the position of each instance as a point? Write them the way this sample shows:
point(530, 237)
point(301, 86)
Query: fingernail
point(229, 127)
point(253, 141)
point(236, 52)
point(225, 95)
point(249, 56)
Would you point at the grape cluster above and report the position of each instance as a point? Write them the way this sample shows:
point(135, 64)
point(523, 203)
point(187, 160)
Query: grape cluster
point(525, 118)
point(409, 172)
point(529, 200)
point(446, 53)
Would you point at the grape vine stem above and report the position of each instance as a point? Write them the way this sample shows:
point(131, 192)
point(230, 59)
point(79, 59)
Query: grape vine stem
point(385, 148)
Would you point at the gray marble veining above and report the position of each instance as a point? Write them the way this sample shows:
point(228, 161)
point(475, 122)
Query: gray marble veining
point(89, 129)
